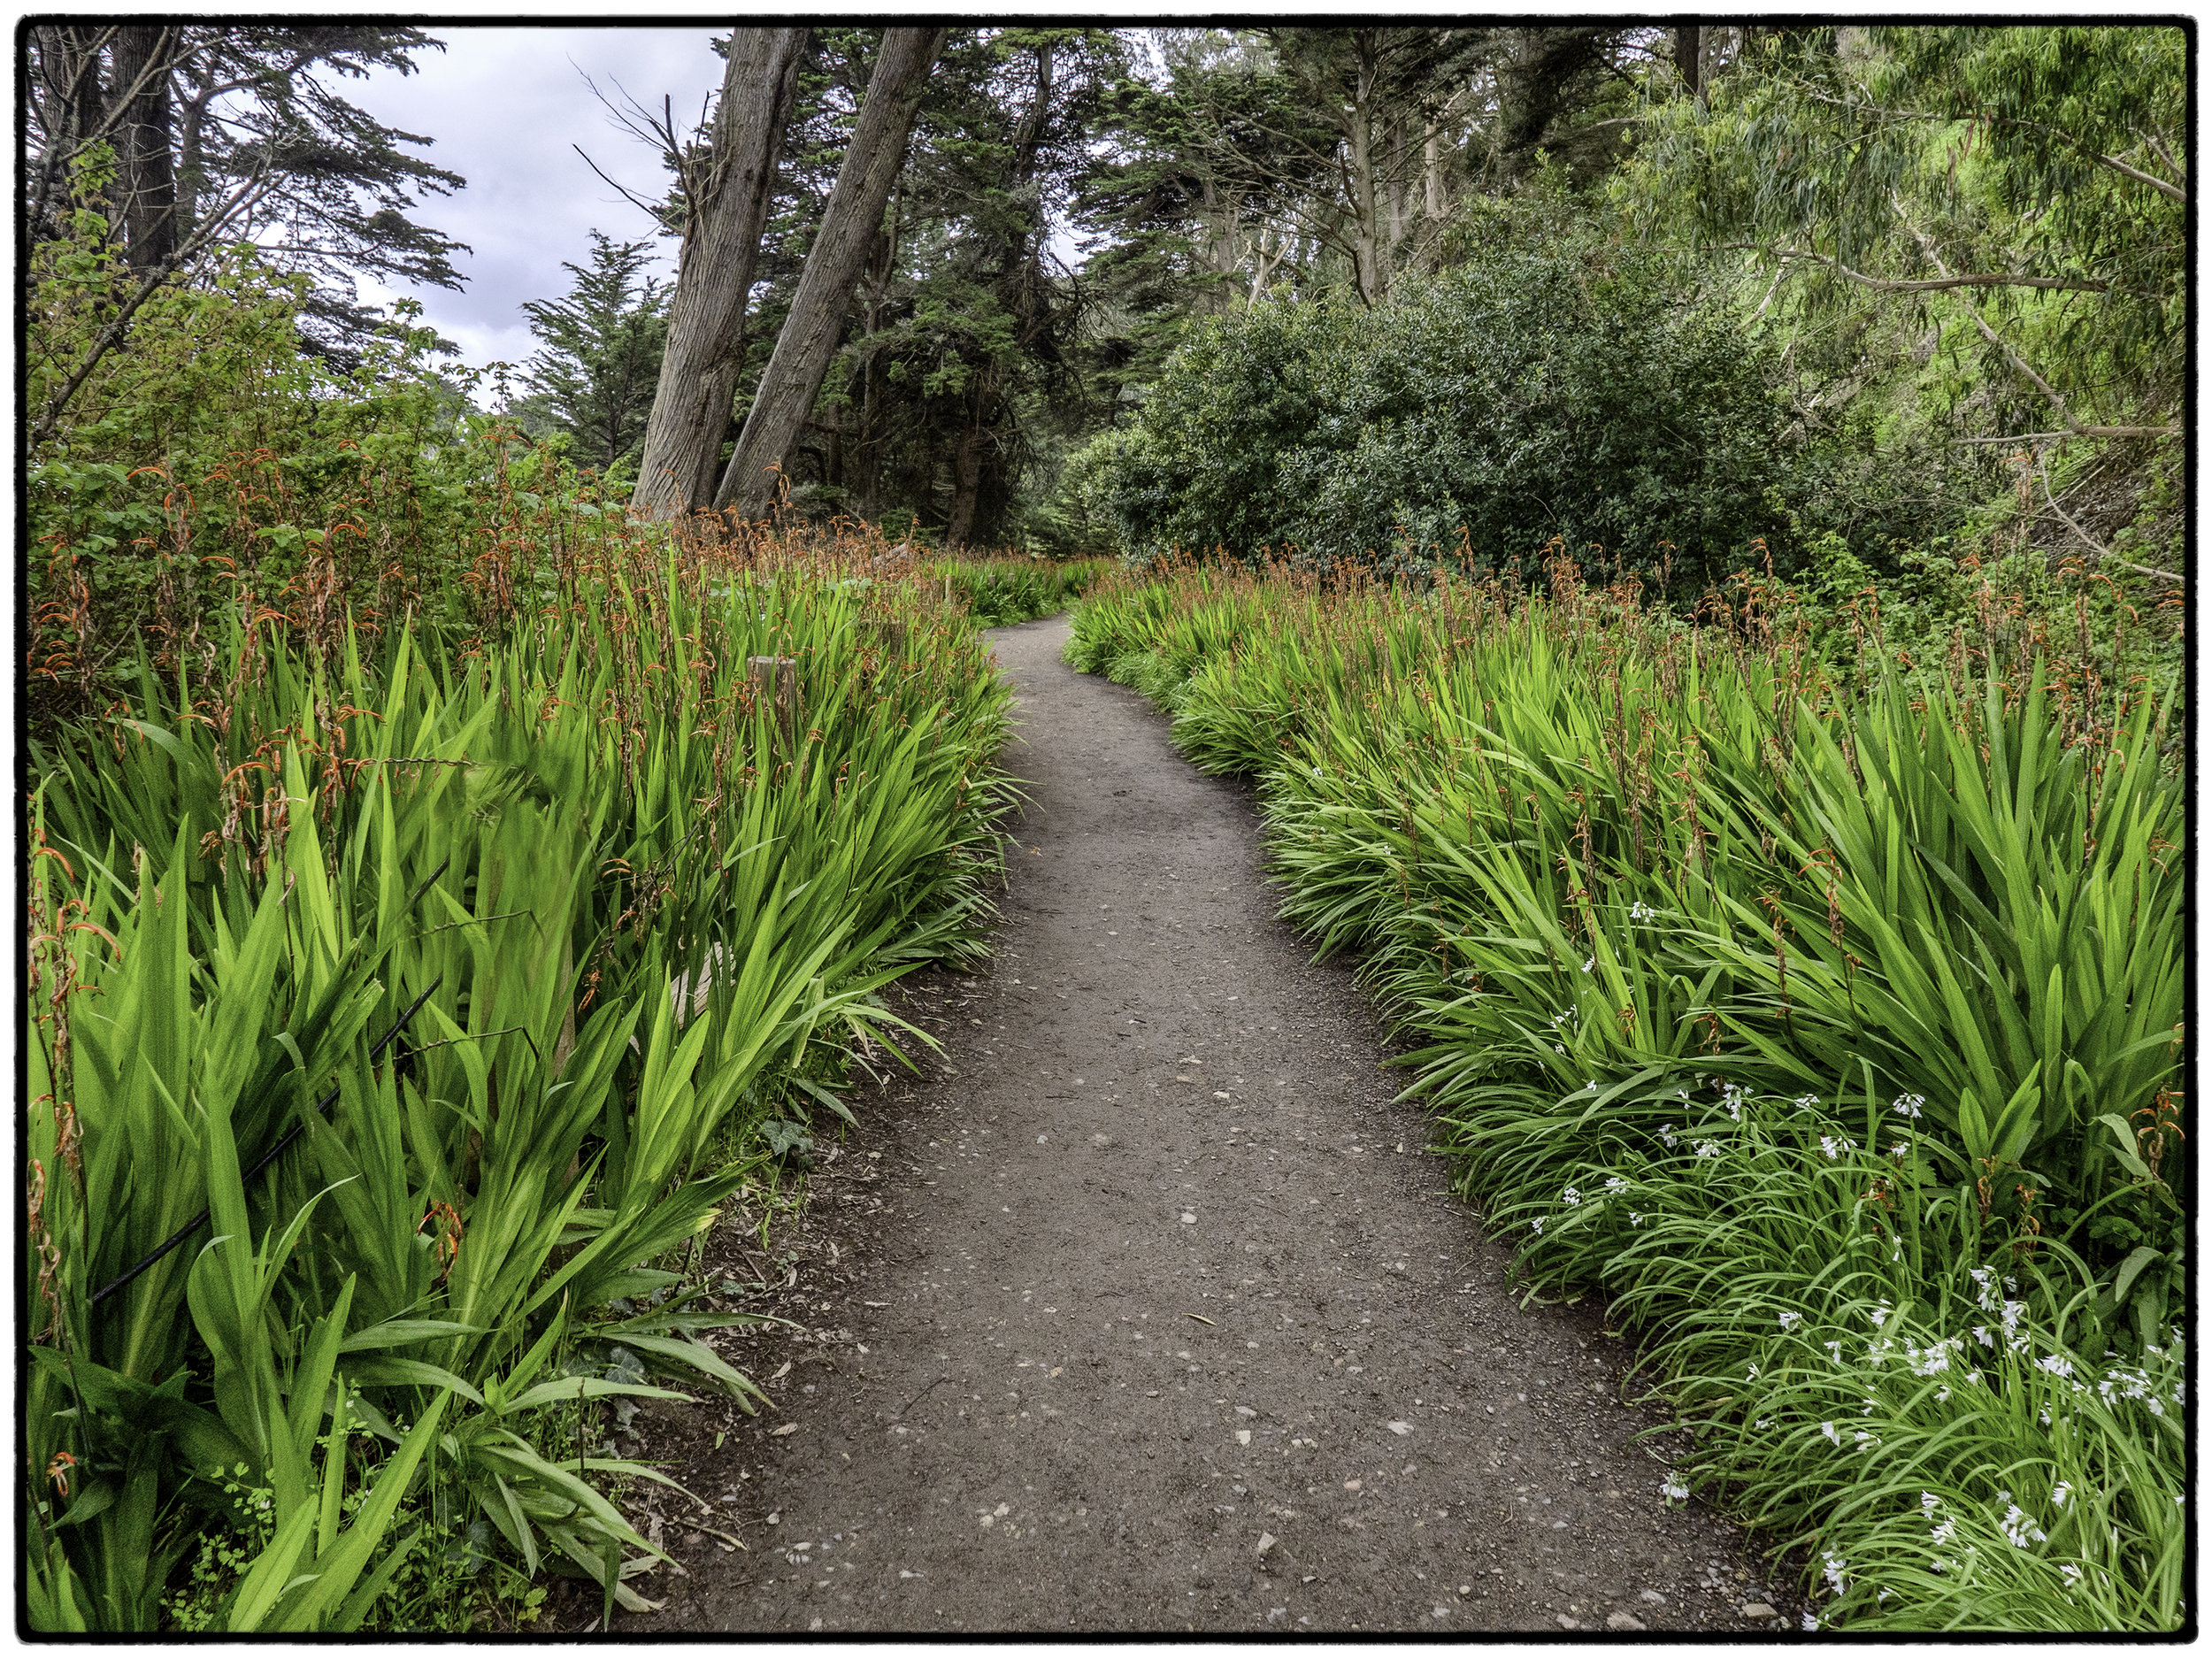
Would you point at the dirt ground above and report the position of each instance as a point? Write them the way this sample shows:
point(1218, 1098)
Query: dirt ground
point(1143, 1308)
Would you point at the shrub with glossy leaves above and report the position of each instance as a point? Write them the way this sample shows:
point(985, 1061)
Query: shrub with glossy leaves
point(1551, 389)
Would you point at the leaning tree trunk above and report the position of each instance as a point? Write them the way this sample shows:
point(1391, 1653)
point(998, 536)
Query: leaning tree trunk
point(850, 225)
point(69, 90)
point(706, 320)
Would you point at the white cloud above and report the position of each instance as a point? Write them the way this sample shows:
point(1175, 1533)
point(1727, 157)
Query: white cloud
point(506, 108)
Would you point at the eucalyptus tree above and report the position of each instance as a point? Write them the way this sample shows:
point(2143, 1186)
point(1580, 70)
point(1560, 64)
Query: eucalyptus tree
point(2031, 177)
point(1990, 220)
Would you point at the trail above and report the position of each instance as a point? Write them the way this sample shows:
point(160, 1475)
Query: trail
point(1160, 1317)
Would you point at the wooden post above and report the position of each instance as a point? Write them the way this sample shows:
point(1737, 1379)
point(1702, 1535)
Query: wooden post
point(777, 679)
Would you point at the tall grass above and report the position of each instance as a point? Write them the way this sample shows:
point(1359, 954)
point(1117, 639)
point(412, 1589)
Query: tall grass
point(1834, 1034)
point(1002, 590)
point(510, 944)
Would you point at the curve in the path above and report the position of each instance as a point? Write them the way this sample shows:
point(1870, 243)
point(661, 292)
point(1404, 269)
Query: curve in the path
point(1185, 1331)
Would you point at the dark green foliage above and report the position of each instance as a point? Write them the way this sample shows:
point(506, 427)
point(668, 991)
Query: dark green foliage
point(999, 591)
point(594, 379)
point(223, 105)
point(1544, 390)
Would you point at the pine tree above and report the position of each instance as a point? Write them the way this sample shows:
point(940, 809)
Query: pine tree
point(596, 375)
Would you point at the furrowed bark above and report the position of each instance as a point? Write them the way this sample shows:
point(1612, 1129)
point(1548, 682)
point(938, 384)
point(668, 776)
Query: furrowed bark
point(706, 324)
point(1689, 52)
point(850, 225)
point(145, 177)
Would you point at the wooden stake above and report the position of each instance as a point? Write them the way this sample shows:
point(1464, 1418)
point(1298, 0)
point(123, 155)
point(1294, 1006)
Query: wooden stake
point(777, 679)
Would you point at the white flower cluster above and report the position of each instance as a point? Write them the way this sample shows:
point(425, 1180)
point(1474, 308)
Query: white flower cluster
point(1732, 1096)
point(1908, 1105)
point(1640, 911)
point(2124, 1382)
point(1571, 1197)
point(1831, 1568)
point(1707, 1149)
point(1926, 1362)
point(1810, 1102)
point(2018, 1525)
point(1615, 1185)
point(1790, 1317)
point(1674, 1488)
point(1943, 1529)
point(1666, 1135)
point(1838, 1146)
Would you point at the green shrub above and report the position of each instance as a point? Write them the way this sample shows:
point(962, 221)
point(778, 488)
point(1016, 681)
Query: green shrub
point(1548, 389)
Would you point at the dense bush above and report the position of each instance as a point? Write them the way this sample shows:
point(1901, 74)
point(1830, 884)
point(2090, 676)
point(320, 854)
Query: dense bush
point(1002, 591)
point(1549, 389)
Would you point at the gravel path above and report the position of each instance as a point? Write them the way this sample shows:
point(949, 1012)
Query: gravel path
point(1162, 1319)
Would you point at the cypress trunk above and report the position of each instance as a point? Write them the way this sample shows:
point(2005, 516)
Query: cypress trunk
point(850, 225)
point(145, 171)
point(714, 275)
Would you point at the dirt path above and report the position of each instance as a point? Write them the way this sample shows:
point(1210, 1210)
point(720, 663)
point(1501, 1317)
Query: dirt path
point(1159, 1317)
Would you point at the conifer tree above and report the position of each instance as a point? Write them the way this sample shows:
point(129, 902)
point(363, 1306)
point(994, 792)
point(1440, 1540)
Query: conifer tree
point(596, 372)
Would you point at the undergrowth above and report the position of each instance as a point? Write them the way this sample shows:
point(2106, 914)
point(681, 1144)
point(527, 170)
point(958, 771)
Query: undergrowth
point(1829, 1025)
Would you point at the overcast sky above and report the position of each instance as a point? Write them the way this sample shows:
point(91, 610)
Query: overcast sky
point(506, 106)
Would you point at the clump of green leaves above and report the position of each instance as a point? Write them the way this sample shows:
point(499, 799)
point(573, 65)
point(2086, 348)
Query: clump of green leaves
point(1831, 1028)
point(499, 976)
point(1553, 388)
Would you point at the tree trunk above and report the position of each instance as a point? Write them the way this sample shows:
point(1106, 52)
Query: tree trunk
point(191, 146)
point(967, 469)
point(75, 109)
point(714, 275)
point(1370, 261)
point(882, 267)
point(1688, 51)
point(145, 171)
point(1217, 235)
point(850, 225)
